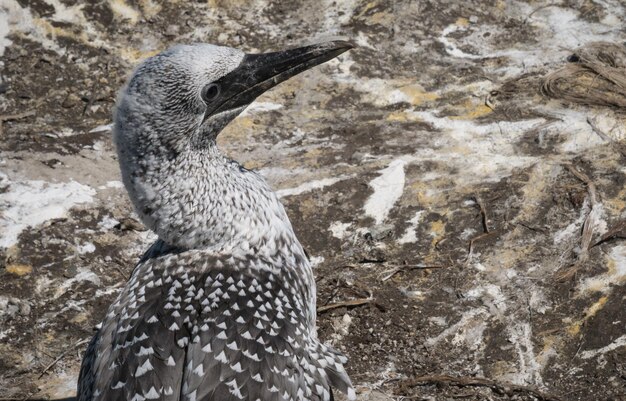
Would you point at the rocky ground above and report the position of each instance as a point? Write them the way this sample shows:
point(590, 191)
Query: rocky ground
point(467, 225)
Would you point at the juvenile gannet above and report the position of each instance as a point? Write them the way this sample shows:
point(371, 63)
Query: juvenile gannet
point(222, 306)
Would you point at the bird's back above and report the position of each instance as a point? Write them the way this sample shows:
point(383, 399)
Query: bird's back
point(196, 325)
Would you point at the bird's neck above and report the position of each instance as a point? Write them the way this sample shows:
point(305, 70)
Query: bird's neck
point(200, 199)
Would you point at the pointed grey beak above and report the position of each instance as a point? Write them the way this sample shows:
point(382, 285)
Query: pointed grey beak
point(259, 72)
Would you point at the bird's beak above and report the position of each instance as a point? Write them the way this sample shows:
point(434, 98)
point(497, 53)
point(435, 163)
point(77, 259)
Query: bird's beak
point(259, 72)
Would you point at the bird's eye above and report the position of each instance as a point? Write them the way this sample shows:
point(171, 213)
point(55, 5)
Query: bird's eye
point(210, 92)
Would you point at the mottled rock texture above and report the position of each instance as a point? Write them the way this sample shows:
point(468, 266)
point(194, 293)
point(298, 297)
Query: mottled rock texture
point(473, 225)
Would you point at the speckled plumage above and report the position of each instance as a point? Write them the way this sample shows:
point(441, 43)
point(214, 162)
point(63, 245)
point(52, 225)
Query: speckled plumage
point(222, 307)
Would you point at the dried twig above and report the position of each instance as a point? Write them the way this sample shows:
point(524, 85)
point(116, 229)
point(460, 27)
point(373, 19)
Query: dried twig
point(618, 231)
point(588, 225)
point(353, 302)
point(387, 274)
point(118, 266)
point(480, 237)
point(508, 389)
point(531, 228)
point(484, 221)
point(483, 215)
point(17, 116)
point(63, 355)
point(616, 145)
point(540, 8)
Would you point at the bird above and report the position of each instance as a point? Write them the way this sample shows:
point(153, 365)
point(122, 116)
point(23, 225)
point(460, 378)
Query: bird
point(222, 305)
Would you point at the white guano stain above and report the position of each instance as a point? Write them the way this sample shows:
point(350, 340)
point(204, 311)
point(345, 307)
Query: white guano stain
point(563, 26)
point(529, 370)
point(87, 247)
point(377, 91)
point(84, 274)
point(468, 319)
point(107, 223)
point(124, 11)
point(30, 203)
point(115, 184)
point(388, 188)
point(567, 233)
point(491, 296)
point(472, 336)
point(336, 15)
point(619, 342)
point(309, 186)
point(65, 132)
point(316, 260)
point(451, 48)
point(21, 21)
point(410, 235)
point(4, 28)
point(108, 290)
point(596, 217)
point(101, 128)
point(112, 185)
point(339, 229)
point(492, 153)
point(616, 274)
point(17, 20)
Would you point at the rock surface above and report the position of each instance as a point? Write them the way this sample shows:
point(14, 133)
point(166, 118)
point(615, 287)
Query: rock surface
point(467, 230)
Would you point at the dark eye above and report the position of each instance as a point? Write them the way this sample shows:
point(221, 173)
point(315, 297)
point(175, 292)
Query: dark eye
point(210, 92)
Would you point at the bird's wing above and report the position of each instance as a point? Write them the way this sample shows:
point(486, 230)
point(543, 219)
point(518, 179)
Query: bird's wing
point(241, 350)
point(138, 355)
point(211, 329)
point(255, 339)
point(87, 375)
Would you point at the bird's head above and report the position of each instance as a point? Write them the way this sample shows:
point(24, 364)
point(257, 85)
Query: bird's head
point(166, 122)
point(184, 96)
